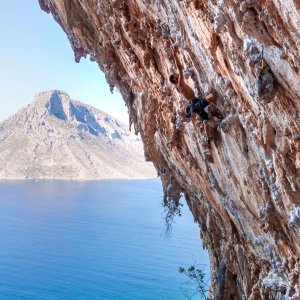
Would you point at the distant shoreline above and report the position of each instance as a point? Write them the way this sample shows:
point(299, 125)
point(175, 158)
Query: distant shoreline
point(76, 179)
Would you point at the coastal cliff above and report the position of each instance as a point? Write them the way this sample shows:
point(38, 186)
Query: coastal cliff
point(241, 176)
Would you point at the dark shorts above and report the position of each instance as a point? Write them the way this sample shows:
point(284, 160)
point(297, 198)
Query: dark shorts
point(197, 106)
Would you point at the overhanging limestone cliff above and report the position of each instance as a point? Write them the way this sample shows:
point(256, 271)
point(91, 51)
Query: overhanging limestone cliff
point(242, 183)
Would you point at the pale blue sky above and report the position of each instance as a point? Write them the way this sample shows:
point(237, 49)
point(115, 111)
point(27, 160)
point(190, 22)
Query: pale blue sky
point(35, 55)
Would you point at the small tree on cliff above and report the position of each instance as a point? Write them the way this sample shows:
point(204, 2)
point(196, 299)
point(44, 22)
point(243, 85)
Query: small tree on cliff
point(171, 204)
point(199, 278)
point(172, 209)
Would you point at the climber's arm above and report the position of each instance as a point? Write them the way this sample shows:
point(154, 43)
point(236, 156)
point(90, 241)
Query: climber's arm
point(178, 64)
point(209, 96)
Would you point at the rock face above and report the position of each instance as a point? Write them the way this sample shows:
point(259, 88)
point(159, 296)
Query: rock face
point(242, 182)
point(58, 138)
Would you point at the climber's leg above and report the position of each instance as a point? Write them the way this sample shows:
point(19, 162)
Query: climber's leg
point(218, 114)
point(203, 114)
point(188, 111)
point(213, 111)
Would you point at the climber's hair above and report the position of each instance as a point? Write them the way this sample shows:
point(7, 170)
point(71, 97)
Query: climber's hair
point(172, 79)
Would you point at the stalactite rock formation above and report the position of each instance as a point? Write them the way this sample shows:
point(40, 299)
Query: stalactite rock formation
point(241, 178)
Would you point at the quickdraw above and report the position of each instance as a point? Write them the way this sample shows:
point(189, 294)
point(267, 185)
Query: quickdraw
point(262, 63)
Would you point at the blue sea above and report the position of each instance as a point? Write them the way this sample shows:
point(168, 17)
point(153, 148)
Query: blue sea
point(93, 240)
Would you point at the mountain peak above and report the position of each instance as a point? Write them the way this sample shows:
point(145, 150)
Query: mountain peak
point(49, 93)
point(56, 137)
point(46, 96)
point(86, 118)
point(55, 102)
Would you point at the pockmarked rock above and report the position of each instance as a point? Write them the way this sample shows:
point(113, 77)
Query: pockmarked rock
point(240, 176)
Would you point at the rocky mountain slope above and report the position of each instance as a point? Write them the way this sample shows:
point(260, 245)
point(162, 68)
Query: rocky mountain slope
point(58, 138)
point(241, 178)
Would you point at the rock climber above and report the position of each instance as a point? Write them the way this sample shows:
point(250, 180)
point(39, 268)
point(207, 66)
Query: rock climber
point(195, 104)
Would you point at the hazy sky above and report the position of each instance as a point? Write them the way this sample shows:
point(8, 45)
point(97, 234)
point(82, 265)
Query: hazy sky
point(35, 55)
